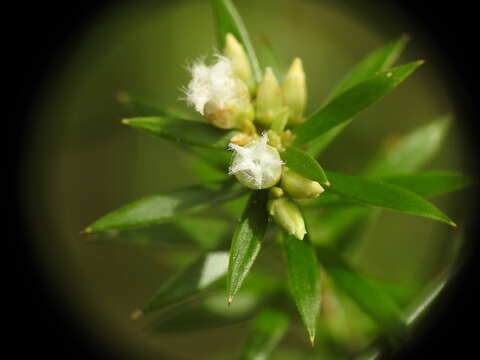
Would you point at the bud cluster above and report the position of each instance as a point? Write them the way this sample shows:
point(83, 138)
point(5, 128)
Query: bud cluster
point(228, 96)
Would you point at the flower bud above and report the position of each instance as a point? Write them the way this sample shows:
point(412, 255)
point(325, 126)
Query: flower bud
point(231, 114)
point(269, 99)
point(256, 165)
point(294, 91)
point(276, 192)
point(242, 69)
point(287, 215)
point(299, 187)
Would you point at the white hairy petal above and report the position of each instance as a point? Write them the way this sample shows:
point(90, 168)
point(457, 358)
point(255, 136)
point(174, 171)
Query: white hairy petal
point(216, 84)
point(256, 165)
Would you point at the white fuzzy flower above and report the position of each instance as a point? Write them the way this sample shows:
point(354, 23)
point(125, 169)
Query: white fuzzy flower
point(256, 165)
point(215, 84)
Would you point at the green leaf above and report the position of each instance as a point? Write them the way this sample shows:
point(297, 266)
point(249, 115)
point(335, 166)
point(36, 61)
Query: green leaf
point(164, 234)
point(351, 102)
point(304, 280)
point(140, 108)
point(268, 329)
point(304, 164)
point(228, 20)
point(412, 151)
point(184, 131)
point(376, 304)
point(432, 183)
point(162, 208)
point(191, 282)
point(246, 241)
point(427, 297)
point(379, 60)
point(424, 301)
point(384, 195)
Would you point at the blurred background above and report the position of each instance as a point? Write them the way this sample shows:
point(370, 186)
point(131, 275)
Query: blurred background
point(81, 162)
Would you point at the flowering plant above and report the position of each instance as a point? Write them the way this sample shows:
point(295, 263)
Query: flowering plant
point(254, 130)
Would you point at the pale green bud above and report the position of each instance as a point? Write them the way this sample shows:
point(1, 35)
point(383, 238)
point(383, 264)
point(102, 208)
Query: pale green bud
point(295, 91)
point(276, 192)
point(287, 215)
point(299, 187)
point(269, 99)
point(235, 52)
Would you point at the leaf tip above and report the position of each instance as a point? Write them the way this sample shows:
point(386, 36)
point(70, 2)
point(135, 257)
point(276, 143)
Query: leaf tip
point(229, 301)
point(455, 225)
point(125, 121)
point(137, 314)
point(327, 183)
point(312, 340)
point(86, 231)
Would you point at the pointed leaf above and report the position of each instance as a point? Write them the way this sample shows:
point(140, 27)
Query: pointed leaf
point(140, 108)
point(379, 60)
point(162, 208)
point(384, 195)
point(184, 131)
point(246, 241)
point(379, 306)
point(228, 20)
point(303, 279)
point(412, 151)
point(191, 282)
point(430, 183)
point(268, 329)
point(351, 102)
point(304, 164)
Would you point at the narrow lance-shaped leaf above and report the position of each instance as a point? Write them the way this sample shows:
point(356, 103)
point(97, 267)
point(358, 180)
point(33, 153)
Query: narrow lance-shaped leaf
point(183, 131)
point(432, 183)
point(304, 164)
point(140, 108)
point(412, 151)
point(379, 60)
point(246, 241)
point(425, 300)
point(351, 102)
point(304, 280)
point(267, 331)
point(162, 208)
point(384, 195)
point(228, 20)
point(191, 282)
point(376, 304)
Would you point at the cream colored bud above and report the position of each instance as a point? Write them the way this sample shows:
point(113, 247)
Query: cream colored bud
point(269, 99)
point(299, 187)
point(231, 114)
point(294, 91)
point(287, 215)
point(235, 52)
